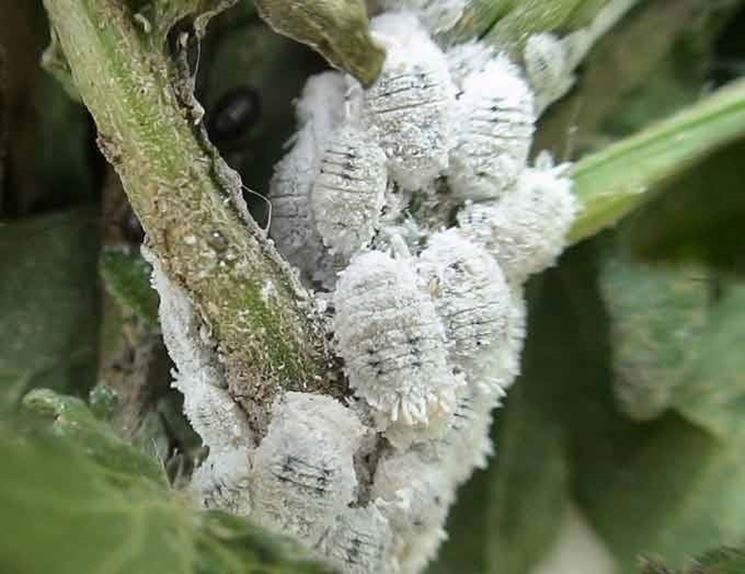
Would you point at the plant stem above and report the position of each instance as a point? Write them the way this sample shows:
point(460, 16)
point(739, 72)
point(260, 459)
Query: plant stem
point(189, 203)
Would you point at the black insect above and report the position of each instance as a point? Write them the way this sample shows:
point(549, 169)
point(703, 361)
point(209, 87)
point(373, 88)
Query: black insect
point(234, 114)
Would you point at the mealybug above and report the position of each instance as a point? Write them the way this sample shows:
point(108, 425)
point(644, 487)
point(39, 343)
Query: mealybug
point(495, 118)
point(472, 298)
point(222, 481)
point(303, 470)
point(467, 59)
point(391, 340)
point(415, 497)
point(526, 229)
point(546, 65)
point(349, 191)
point(360, 541)
point(319, 111)
point(409, 107)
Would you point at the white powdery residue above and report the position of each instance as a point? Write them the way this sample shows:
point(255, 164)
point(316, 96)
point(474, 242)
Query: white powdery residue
point(360, 542)
point(391, 340)
point(414, 496)
point(468, 59)
point(210, 409)
point(303, 471)
point(473, 300)
point(208, 406)
point(320, 110)
point(526, 230)
point(410, 106)
point(495, 120)
point(547, 67)
point(348, 193)
point(437, 15)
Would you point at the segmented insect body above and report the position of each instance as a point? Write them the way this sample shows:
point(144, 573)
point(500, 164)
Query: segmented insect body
point(437, 15)
point(496, 123)
point(547, 67)
point(319, 112)
point(410, 106)
point(414, 496)
point(349, 191)
point(303, 471)
point(360, 541)
point(392, 341)
point(526, 229)
point(471, 296)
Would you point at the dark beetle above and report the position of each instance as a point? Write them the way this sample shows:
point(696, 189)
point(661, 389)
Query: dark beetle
point(236, 112)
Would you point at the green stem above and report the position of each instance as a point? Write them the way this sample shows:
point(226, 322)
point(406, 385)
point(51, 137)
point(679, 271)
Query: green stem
point(190, 206)
point(616, 180)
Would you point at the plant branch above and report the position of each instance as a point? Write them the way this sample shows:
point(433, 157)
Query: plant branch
point(616, 180)
point(188, 201)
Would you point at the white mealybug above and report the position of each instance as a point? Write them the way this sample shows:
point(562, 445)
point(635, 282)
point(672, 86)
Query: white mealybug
point(409, 107)
point(222, 481)
point(303, 470)
point(360, 541)
point(392, 341)
point(526, 230)
point(467, 59)
point(437, 15)
point(473, 300)
point(349, 191)
point(319, 111)
point(414, 496)
point(466, 444)
point(495, 117)
point(547, 67)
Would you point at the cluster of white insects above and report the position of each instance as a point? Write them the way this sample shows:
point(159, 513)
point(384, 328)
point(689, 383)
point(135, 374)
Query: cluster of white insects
point(411, 209)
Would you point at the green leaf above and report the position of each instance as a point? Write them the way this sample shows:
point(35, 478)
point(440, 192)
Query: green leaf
point(713, 392)
point(49, 303)
point(665, 488)
point(67, 510)
point(126, 276)
point(609, 188)
point(656, 319)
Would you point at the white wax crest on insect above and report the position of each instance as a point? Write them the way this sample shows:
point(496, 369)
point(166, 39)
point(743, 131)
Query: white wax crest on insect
point(495, 119)
point(410, 105)
point(349, 190)
point(303, 470)
point(526, 230)
point(391, 340)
